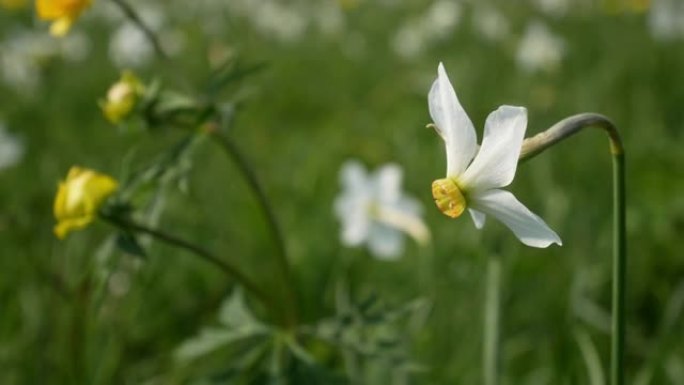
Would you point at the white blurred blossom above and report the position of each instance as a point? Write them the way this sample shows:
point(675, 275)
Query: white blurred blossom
point(442, 18)
point(280, 20)
point(490, 23)
point(129, 47)
point(540, 49)
point(418, 33)
point(24, 53)
point(555, 8)
point(373, 210)
point(666, 19)
point(329, 18)
point(409, 40)
point(11, 148)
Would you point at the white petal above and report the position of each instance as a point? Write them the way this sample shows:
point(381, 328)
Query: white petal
point(351, 205)
point(528, 227)
point(496, 162)
point(385, 242)
point(452, 123)
point(387, 181)
point(353, 215)
point(405, 216)
point(478, 218)
point(353, 175)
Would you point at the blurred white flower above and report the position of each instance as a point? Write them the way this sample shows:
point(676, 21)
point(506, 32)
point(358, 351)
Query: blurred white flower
point(540, 49)
point(475, 176)
point(490, 23)
point(373, 210)
point(22, 55)
point(279, 21)
point(417, 34)
point(129, 47)
point(11, 148)
point(442, 18)
point(329, 17)
point(666, 19)
point(555, 8)
point(409, 41)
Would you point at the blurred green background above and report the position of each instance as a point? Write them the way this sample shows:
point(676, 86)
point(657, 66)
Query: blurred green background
point(347, 80)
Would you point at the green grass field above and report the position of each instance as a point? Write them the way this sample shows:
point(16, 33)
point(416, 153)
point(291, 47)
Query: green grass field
point(338, 81)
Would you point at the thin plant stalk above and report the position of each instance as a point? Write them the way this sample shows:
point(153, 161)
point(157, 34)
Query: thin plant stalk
point(199, 251)
point(243, 165)
point(491, 347)
point(282, 259)
point(135, 18)
point(532, 147)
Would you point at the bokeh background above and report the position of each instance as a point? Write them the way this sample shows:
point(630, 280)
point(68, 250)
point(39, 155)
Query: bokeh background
point(343, 80)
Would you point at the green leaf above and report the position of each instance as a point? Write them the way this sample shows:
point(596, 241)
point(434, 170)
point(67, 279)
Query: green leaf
point(237, 324)
point(129, 244)
point(211, 339)
point(234, 312)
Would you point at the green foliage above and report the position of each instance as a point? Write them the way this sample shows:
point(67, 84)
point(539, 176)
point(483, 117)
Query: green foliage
point(90, 310)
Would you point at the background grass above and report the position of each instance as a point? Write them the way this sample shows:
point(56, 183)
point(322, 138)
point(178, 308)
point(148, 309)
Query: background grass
point(322, 99)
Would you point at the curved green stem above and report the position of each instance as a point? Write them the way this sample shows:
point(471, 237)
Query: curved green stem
point(245, 168)
point(227, 268)
point(532, 147)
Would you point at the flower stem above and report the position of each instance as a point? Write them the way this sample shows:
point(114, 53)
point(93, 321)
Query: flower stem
point(282, 259)
point(172, 240)
point(619, 269)
point(491, 348)
point(566, 128)
point(133, 16)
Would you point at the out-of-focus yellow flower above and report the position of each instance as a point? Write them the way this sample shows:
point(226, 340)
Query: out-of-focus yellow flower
point(79, 197)
point(122, 98)
point(62, 13)
point(13, 4)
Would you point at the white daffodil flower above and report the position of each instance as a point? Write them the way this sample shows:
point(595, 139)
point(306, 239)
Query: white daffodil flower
point(373, 210)
point(476, 185)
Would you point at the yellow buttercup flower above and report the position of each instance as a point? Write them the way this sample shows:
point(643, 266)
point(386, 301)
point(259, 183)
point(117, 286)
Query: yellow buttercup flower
point(62, 13)
point(79, 197)
point(122, 97)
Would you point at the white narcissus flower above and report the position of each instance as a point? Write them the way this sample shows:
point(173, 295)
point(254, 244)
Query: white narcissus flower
point(373, 210)
point(476, 185)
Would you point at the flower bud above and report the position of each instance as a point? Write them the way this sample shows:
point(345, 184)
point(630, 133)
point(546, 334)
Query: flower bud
point(122, 98)
point(79, 197)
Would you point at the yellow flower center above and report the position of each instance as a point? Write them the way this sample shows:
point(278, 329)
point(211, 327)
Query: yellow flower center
point(448, 197)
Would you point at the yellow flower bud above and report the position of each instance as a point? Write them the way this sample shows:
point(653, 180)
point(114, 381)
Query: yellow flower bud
point(122, 98)
point(448, 197)
point(79, 197)
point(62, 13)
